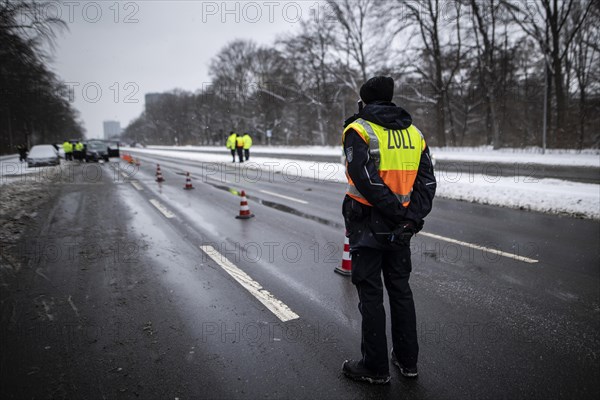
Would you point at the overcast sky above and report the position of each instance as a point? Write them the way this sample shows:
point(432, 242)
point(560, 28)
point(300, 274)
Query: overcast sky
point(130, 48)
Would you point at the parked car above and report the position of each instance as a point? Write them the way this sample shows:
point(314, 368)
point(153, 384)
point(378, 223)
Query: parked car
point(96, 151)
point(41, 155)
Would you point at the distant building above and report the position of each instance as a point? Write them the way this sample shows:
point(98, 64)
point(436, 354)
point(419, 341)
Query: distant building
point(111, 129)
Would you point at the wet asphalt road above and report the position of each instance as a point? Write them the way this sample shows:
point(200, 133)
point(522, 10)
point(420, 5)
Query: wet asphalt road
point(115, 300)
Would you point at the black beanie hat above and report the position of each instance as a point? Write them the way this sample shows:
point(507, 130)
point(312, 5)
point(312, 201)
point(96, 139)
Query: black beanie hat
point(378, 88)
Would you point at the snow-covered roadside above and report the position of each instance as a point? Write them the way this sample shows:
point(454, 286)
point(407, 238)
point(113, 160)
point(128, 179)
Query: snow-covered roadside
point(12, 170)
point(22, 192)
point(563, 158)
point(320, 150)
point(586, 158)
point(545, 195)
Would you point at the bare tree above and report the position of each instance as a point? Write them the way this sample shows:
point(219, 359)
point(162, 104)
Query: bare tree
point(33, 106)
point(441, 53)
point(310, 59)
point(585, 56)
point(550, 24)
point(362, 40)
point(485, 24)
point(231, 70)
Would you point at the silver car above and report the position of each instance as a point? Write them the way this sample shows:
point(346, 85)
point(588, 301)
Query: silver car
point(43, 154)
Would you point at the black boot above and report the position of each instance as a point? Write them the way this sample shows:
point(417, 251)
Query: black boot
point(357, 371)
point(408, 372)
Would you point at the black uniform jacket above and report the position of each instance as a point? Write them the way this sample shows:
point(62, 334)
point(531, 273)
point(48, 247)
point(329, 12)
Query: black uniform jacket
point(371, 226)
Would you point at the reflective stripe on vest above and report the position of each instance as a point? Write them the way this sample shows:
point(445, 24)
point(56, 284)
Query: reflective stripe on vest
point(373, 141)
point(352, 190)
point(396, 154)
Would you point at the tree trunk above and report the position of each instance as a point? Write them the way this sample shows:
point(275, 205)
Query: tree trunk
point(496, 139)
point(453, 140)
point(561, 101)
point(440, 120)
point(440, 97)
point(581, 118)
point(321, 127)
point(548, 98)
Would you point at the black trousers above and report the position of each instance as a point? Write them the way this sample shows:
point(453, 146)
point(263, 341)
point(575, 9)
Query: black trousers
point(233, 154)
point(367, 266)
point(240, 153)
point(247, 154)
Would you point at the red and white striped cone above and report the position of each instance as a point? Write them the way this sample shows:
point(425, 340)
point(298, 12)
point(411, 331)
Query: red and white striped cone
point(159, 177)
point(188, 182)
point(346, 267)
point(244, 209)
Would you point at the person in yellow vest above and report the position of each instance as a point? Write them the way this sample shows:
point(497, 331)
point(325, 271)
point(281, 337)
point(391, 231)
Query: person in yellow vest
point(391, 186)
point(68, 148)
point(239, 146)
point(230, 144)
point(247, 145)
point(78, 152)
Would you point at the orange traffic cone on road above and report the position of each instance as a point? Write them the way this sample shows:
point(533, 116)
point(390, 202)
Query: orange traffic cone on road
point(188, 182)
point(244, 209)
point(159, 177)
point(346, 267)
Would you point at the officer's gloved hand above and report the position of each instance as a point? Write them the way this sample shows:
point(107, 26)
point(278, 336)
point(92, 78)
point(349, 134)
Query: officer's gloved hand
point(404, 232)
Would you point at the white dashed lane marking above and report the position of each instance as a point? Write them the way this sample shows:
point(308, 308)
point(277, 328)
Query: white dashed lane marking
point(136, 185)
point(164, 210)
point(284, 197)
point(277, 307)
point(483, 248)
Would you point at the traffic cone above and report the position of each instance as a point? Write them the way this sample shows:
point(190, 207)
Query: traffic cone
point(346, 267)
point(159, 177)
point(244, 209)
point(188, 182)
